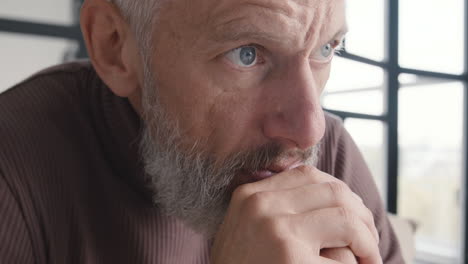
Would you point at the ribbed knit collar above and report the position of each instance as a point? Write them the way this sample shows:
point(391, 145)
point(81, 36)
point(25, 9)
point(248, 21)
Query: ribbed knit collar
point(119, 128)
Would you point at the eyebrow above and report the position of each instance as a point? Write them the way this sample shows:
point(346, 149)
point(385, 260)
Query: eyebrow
point(341, 32)
point(234, 30)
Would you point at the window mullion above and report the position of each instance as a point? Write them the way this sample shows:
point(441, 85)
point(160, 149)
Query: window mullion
point(392, 104)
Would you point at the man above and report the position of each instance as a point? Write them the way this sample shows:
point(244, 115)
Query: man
point(196, 136)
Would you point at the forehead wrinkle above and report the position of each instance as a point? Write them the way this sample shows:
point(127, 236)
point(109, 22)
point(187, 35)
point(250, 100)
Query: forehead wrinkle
point(315, 28)
point(269, 20)
point(225, 9)
point(239, 28)
point(264, 25)
point(322, 25)
point(283, 9)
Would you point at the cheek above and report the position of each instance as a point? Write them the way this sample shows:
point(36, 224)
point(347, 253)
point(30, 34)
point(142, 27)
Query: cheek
point(322, 75)
point(218, 111)
point(233, 123)
point(185, 99)
point(231, 100)
point(210, 103)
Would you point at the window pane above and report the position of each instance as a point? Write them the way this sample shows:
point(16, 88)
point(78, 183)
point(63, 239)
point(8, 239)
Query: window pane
point(48, 11)
point(412, 80)
point(434, 39)
point(365, 102)
point(366, 28)
point(350, 75)
point(430, 135)
point(369, 136)
point(23, 55)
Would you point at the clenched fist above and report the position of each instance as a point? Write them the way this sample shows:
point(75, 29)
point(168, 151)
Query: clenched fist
point(301, 215)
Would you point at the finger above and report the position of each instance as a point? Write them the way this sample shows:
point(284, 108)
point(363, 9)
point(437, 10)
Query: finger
point(303, 175)
point(341, 255)
point(339, 227)
point(323, 260)
point(309, 198)
point(294, 178)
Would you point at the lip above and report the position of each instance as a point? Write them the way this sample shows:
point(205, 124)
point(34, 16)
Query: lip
point(273, 170)
point(284, 165)
point(262, 174)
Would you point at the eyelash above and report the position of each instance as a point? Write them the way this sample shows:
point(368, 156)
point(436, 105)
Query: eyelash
point(338, 47)
point(260, 51)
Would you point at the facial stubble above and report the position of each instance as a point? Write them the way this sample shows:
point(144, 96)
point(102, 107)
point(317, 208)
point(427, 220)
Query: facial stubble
point(188, 182)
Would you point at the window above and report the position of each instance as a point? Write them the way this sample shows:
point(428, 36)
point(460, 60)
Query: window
point(46, 33)
point(44, 11)
point(37, 53)
point(400, 88)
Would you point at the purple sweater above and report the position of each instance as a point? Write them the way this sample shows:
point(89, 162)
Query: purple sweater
point(72, 186)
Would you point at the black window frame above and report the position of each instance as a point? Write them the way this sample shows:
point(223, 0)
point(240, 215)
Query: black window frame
point(393, 70)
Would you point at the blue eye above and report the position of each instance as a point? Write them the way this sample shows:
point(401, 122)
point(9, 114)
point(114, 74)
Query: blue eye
point(326, 50)
point(245, 56)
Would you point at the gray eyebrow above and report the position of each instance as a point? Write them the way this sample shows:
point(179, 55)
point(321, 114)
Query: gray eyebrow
point(340, 34)
point(343, 31)
point(234, 31)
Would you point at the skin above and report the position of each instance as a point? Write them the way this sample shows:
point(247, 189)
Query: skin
point(234, 108)
point(237, 108)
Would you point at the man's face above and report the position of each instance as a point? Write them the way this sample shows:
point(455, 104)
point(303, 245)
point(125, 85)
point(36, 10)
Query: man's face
point(232, 80)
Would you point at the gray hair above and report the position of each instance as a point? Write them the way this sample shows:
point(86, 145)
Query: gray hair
point(140, 14)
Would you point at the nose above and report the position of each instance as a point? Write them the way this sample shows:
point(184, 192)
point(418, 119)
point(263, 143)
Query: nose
point(295, 116)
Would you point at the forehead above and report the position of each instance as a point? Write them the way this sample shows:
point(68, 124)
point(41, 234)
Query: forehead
point(302, 21)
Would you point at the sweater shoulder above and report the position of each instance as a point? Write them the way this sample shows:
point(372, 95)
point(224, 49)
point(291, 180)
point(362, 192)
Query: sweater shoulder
point(333, 131)
point(44, 112)
point(334, 124)
point(330, 142)
point(45, 95)
point(55, 88)
point(38, 80)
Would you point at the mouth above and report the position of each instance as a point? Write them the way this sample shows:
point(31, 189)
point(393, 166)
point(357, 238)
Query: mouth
point(272, 170)
point(259, 175)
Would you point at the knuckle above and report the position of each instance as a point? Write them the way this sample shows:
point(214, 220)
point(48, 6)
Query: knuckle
point(257, 204)
point(349, 224)
point(338, 192)
point(309, 174)
point(306, 170)
point(370, 215)
point(348, 217)
point(242, 192)
point(371, 220)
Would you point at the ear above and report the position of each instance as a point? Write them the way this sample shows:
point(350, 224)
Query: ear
point(111, 46)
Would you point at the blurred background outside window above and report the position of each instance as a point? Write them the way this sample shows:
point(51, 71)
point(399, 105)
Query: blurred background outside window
point(430, 111)
point(427, 78)
point(24, 54)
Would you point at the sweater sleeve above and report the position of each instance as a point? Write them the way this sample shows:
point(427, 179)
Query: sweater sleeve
point(15, 242)
point(351, 168)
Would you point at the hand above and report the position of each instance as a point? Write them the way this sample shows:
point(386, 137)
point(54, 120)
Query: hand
point(292, 216)
point(341, 255)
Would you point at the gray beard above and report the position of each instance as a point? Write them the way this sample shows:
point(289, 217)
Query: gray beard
point(188, 182)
